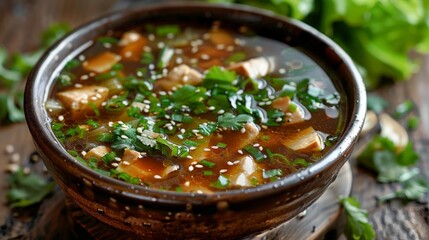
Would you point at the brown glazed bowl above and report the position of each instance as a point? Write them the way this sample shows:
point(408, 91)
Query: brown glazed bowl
point(151, 213)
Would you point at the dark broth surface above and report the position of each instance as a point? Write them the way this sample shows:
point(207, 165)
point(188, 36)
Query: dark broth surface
point(194, 109)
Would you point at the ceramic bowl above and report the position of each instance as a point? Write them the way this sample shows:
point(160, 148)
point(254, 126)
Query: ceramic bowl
point(151, 213)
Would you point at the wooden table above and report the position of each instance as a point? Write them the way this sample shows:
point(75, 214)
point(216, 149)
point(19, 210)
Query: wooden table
point(22, 21)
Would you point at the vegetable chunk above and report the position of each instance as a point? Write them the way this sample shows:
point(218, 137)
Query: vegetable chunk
point(294, 114)
point(101, 63)
point(239, 174)
point(255, 67)
point(82, 101)
point(307, 140)
point(132, 44)
point(180, 75)
point(97, 152)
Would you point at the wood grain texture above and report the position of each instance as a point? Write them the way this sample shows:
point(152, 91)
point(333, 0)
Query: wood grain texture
point(22, 21)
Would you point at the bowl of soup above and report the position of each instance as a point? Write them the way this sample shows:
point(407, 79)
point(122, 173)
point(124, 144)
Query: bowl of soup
point(188, 120)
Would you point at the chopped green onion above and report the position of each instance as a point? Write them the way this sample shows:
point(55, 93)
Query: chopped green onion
point(221, 145)
point(190, 143)
point(293, 107)
point(272, 173)
point(208, 173)
point(207, 163)
point(258, 155)
point(92, 123)
point(109, 157)
point(165, 57)
point(72, 64)
point(221, 183)
point(164, 30)
point(105, 137)
point(236, 57)
point(147, 58)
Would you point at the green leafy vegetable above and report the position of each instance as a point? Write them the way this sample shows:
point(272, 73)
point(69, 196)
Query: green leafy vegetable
point(372, 31)
point(357, 222)
point(221, 183)
point(258, 155)
point(27, 189)
point(13, 71)
point(413, 122)
point(381, 156)
point(412, 189)
point(229, 120)
point(164, 30)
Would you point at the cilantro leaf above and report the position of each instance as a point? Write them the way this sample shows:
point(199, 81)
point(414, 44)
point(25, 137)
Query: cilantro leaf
point(190, 97)
point(357, 222)
point(403, 109)
point(380, 156)
point(27, 189)
point(412, 189)
point(217, 76)
point(229, 120)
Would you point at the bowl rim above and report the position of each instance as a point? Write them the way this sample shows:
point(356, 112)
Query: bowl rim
point(37, 121)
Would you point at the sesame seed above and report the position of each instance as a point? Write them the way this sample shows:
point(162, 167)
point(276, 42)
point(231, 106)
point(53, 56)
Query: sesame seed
point(261, 148)
point(192, 148)
point(115, 164)
point(199, 192)
point(124, 137)
point(223, 170)
point(170, 128)
point(179, 60)
point(83, 153)
point(264, 126)
point(9, 149)
point(268, 102)
point(157, 177)
point(279, 119)
point(229, 163)
point(199, 166)
point(189, 157)
point(242, 130)
point(151, 37)
point(140, 130)
point(230, 48)
point(207, 149)
point(240, 151)
point(211, 108)
point(126, 163)
point(78, 85)
point(282, 71)
point(215, 147)
point(147, 49)
point(193, 162)
point(220, 46)
point(182, 130)
point(256, 145)
point(200, 137)
point(15, 157)
point(81, 58)
point(118, 159)
point(84, 77)
point(205, 56)
point(187, 183)
point(221, 111)
point(193, 60)
point(261, 103)
point(35, 158)
point(195, 130)
point(84, 101)
point(236, 162)
point(191, 168)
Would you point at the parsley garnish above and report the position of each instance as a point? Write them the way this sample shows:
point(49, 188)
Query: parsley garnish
point(191, 97)
point(27, 189)
point(357, 222)
point(229, 120)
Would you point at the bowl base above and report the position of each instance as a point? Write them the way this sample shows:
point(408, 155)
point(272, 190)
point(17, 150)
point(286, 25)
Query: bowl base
point(58, 216)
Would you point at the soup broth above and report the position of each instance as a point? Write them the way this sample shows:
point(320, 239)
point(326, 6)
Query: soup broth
point(197, 109)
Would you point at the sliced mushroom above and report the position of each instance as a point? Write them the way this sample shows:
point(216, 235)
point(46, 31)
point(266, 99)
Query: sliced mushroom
point(102, 62)
point(370, 123)
point(307, 140)
point(255, 67)
point(180, 75)
point(392, 130)
point(81, 101)
point(292, 117)
point(97, 152)
point(239, 173)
